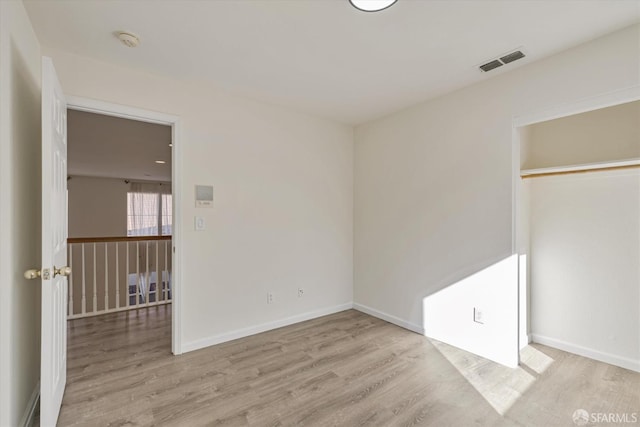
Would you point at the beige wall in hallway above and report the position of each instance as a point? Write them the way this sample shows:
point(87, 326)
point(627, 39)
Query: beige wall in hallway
point(97, 207)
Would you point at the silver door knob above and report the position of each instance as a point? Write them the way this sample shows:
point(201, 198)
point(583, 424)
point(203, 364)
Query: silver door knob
point(32, 274)
point(62, 271)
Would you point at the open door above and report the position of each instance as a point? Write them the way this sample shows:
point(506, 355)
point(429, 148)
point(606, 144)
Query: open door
point(53, 368)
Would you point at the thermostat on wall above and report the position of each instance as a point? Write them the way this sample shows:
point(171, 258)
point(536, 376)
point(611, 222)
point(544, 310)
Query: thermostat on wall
point(204, 196)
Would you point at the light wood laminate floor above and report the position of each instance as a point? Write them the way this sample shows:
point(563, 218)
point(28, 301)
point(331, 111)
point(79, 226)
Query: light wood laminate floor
point(346, 369)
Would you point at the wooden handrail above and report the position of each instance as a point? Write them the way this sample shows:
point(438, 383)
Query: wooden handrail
point(116, 239)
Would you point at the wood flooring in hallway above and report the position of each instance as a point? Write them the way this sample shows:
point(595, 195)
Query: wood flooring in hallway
point(346, 369)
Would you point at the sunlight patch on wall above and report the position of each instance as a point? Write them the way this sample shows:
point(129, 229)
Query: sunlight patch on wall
point(478, 313)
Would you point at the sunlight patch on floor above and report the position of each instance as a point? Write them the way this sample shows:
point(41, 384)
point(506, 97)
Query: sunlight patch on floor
point(499, 385)
point(535, 359)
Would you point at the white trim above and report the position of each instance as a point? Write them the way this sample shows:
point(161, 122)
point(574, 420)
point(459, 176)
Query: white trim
point(176, 261)
point(252, 330)
point(118, 110)
point(30, 410)
point(8, 269)
point(582, 167)
point(515, 187)
point(133, 113)
point(516, 195)
point(609, 358)
point(609, 99)
point(389, 318)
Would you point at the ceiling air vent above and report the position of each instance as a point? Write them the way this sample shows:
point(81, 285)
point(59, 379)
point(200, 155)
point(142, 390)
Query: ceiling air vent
point(503, 60)
point(491, 65)
point(513, 56)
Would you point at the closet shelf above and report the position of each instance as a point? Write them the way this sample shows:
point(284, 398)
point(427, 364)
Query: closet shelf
point(585, 167)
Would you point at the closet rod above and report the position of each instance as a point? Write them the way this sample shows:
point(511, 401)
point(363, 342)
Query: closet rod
point(567, 172)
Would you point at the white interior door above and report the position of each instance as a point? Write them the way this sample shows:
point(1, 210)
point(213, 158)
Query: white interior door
point(53, 374)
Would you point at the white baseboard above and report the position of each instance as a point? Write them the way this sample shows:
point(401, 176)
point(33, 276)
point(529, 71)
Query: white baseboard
point(252, 330)
point(389, 318)
point(30, 410)
point(609, 358)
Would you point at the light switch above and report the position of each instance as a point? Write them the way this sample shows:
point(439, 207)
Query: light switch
point(199, 223)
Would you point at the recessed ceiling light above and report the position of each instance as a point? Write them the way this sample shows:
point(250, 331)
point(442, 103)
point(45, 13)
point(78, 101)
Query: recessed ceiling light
point(371, 5)
point(128, 39)
point(160, 162)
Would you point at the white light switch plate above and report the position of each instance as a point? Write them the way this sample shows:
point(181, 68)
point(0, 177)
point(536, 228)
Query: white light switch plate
point(199, 223)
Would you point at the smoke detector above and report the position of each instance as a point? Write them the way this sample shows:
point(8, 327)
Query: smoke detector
point(128, 39)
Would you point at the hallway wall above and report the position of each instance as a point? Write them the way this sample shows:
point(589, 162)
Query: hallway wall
point(20, 218)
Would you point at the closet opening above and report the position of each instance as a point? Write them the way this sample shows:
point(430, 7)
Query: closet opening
point(577, 230)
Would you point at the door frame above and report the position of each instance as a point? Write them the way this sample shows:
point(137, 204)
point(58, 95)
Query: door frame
point(139, 114)
point(520, 236)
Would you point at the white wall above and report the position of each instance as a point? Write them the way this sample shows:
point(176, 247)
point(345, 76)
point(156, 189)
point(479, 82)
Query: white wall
point(97, 207)
point(585, 269)
point(19, 212)
point(283, 189)
point(433, 183)
point(607, 134)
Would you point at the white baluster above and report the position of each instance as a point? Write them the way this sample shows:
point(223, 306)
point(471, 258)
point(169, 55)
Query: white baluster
point(165, 279)
point(137, 272)
point(95, 281)
point(127, 271)
point(106, 276)
point(144, 275)
point(147, 285)
point(70, 313)
point(84, 284)
point(158, 275)
point(117, 277)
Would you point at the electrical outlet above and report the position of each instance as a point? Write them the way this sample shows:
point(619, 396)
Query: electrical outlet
point(478, 315)
point(300, 292)
point(270, 298)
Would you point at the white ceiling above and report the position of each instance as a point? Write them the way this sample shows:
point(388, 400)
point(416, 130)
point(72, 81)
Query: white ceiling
point(112, 147)
point(324, 56)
